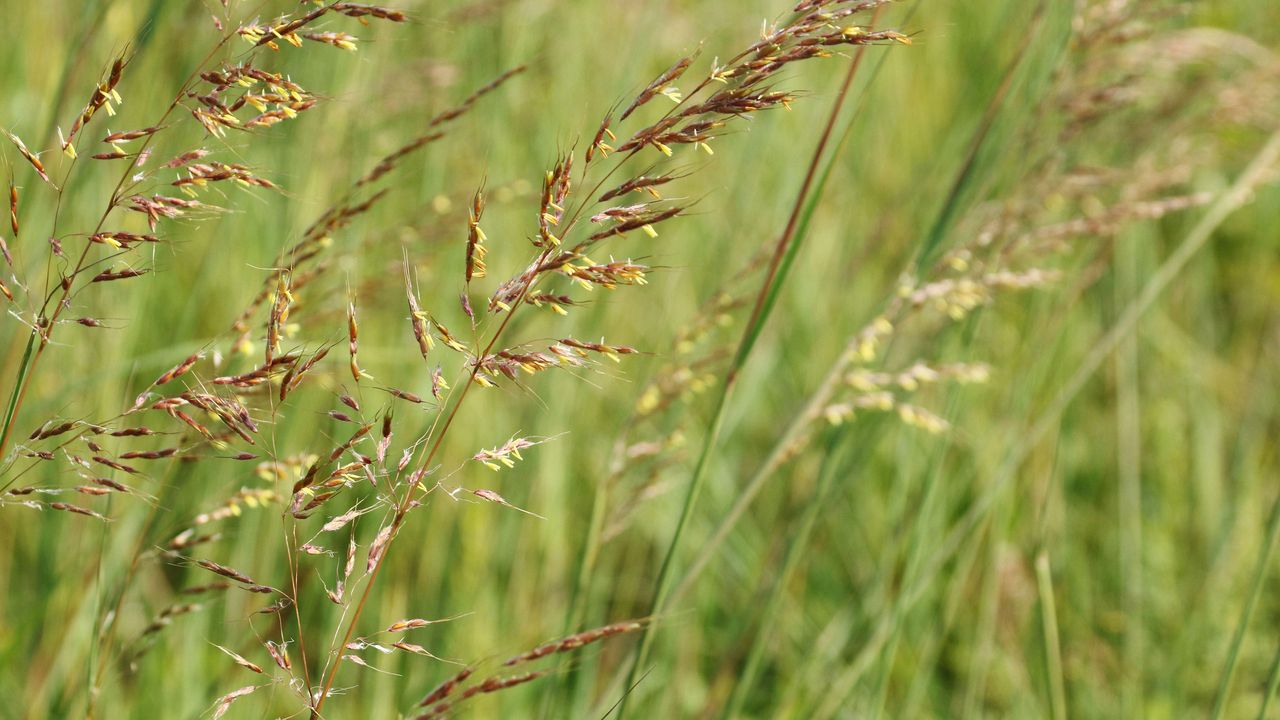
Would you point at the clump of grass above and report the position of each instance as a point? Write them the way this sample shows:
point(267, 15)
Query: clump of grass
point(305, 344)
point(211, 407)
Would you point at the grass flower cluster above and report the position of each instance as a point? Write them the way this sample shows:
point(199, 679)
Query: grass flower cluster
point(283, 279)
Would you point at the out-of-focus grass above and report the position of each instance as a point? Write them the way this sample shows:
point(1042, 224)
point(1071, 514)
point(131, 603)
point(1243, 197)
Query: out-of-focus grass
point(1147, 505)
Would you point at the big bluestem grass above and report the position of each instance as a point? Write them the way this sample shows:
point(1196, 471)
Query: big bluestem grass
point(211, 407)
point(383, 378)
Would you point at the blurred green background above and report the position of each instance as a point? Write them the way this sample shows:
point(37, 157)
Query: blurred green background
point(1148, 499)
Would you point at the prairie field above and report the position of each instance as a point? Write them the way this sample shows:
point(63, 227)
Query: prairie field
point(669, 359)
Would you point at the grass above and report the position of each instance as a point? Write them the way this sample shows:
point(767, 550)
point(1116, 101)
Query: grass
point(976, 409)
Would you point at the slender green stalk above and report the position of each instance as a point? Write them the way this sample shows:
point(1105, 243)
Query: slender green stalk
point(1273, 681)
point(103, 640)
point(1246, 615)
point(1129, 491)
point(964, 178)
point(580, 596)
point(1052, 643)
point(773, 607)
point(774, 279)
point(11, 409)
point(988, 607)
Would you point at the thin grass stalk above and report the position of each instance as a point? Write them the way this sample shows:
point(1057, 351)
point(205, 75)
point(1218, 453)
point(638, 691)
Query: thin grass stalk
point(831, 462)
point(15, 398)
point(98, 601)
point(951, 206)
point(957, 610)
point(1223, 695)
point(802, 213)
point(844, 684)
point(1273, 682)
point(582, 585)
point(1052, 642)
point(880, 684)
point(988, 606)
point(759, 315)
point(292, 560)
point(104, 643)
point(1129, 490)
point(925, 513)
point(928, 508)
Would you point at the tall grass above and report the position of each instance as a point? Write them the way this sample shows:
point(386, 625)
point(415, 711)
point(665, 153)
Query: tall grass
point(944, 384)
